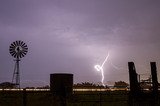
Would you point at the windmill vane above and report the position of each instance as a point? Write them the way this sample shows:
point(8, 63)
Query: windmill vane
point(18, 49)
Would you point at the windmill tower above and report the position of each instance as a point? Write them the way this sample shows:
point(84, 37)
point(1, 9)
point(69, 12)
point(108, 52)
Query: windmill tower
point(17, 49)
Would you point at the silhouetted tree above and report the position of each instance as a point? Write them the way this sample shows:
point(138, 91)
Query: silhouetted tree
point(87, 85)
point(121, 84)
point(7, 85)
point(29, 87)
point(44, 87)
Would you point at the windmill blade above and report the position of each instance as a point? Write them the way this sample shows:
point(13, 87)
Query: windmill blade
point(23, 54)
point(17, 56)
point(14, 43)
point(25, 49)
point(11, 49)
point(17, 43)
point(20, 55)
point(11, 52)
point(14, 54)
point(23, 44)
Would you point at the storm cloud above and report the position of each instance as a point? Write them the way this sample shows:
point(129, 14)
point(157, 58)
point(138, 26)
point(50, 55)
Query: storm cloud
point(72, 36)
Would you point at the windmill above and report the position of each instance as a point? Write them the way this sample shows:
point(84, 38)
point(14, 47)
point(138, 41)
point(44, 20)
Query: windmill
point(17, 49)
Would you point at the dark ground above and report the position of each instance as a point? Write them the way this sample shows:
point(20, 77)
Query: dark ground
point(46, 98)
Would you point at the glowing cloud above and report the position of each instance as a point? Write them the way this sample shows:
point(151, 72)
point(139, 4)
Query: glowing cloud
point(100, 68)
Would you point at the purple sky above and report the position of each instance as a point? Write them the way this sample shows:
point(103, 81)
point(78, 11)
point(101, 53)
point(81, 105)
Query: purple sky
point(74, 35)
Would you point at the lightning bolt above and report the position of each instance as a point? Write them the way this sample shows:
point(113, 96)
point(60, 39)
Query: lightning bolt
point(100, 68)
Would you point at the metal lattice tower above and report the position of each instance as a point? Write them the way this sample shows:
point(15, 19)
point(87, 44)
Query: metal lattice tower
point(17, 49)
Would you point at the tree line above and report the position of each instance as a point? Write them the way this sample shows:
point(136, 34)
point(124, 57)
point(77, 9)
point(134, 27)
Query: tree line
point(83, 85)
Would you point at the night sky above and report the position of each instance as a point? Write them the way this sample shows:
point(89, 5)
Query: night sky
point(71, 36)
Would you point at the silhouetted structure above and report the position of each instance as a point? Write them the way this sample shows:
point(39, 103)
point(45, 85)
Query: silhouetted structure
point(137, 97)
point(154, 76)
point(61, 84)
point(17, 49)
point(134, 85)
point(154, 83)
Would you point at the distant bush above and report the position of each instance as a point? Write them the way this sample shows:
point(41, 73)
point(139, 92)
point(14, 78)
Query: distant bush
point(44, 87)
point(121, 84)
point(88, 85)
point(7, 85)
